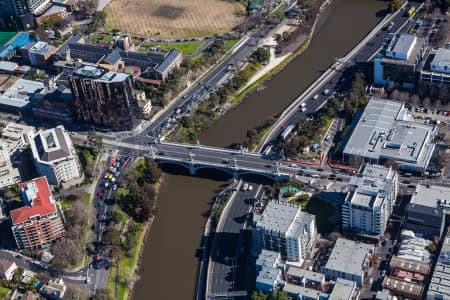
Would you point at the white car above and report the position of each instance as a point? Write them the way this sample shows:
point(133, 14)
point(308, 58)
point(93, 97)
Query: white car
point(245, 187)
point(250, 188)
point(316, 97)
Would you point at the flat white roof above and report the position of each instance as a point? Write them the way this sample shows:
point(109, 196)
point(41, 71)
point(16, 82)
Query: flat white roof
point(385, 131)
point(348, 256)
point(442, 57)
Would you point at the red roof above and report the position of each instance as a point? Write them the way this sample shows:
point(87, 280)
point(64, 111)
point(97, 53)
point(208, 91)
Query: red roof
point(41, 204)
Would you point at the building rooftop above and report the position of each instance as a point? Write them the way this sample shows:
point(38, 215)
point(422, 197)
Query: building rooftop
point(37, 193)
point(53, 10)
point(410, 265)
point(343, 290)
point(5, 265)
point(402, 43)
point(21, 93)
point(51, 145)
point(385, 131)
point(431, 196)
point(293, 289)
point(306, 274)
point(371, 186)
point(38, 47)
point(348, 256)
point(402, 287)
point(8, 66)
point(440, 282)
point(442, 57)
point(287, 219)
point(404, 49)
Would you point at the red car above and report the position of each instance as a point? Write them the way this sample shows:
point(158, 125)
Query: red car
point(99, 193)
point(283, 126)
point(332, 81)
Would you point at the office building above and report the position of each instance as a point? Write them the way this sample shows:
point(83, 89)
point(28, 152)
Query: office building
point(37, 54)
point(348, 260)
point(19, 14)
point(385, 131)
point(426, 212)
point(286, 229)
point(370, 199)
point(400, 60)
point(19, 94)
point(37, 224)
point(439, 287)
point(437, 70)
point(54, 155)
point(103, 97)
point(269, 270)
point(55, 103)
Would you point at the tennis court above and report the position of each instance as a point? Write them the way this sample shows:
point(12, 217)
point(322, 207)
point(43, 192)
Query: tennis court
point(6, 36)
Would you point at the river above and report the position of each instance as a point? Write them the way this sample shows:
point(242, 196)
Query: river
point(170, 258)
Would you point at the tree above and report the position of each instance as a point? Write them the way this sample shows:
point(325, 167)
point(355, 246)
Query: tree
point(187, 121)
point(395, 4)
point(335, 235)
point(111, 237)
point(259, 295)
point(432, 248)
point(66, 253)
point(117, 216)
point(18, 274)
point(261, 55)
point(152, 172)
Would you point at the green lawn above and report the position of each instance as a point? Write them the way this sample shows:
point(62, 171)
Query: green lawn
point(127, 266)
point(324, 214)
point(5, 37)
point(4, 292)
point(100, 37)
point(188, 48)
point(302, 201)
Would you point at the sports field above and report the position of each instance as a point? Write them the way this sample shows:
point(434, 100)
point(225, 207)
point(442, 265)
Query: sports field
point(6, 36)
point(174, 19)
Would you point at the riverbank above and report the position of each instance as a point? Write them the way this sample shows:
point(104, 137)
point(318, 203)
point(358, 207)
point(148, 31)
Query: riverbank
point(211, 111)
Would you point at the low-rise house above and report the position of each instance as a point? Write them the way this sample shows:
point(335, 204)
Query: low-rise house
point(403, 288)
point(348, 260)
point(344, 290)
point(54, 289)
point(7, 269)
point(269, 271)
point(298, 292)
point(305, 278)
point(439, 287)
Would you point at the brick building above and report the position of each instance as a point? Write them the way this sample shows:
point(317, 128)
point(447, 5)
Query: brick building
point(38, 223)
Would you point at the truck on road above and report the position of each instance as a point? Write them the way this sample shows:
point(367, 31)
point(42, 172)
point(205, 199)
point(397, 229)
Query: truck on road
point(286, 131)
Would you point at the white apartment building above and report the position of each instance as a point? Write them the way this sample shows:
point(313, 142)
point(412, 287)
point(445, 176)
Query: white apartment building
point(370, 199)
point(55, 156)
point(286, 229)
point(14, 138)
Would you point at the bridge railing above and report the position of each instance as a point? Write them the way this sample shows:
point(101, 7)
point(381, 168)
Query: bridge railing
point(216, 149)
point(221, 166)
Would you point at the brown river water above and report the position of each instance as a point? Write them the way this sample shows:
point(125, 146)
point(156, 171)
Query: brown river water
point(169, 268)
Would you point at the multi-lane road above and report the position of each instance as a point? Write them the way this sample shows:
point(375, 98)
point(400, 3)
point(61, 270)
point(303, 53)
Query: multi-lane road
point(316, 95)
point(211, 81)
point(227, 249)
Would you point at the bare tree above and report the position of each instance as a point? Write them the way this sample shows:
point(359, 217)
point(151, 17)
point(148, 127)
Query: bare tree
point(414, 100)
point(426, 102)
